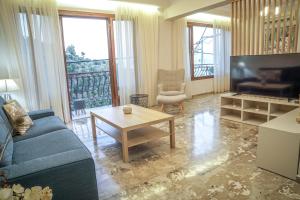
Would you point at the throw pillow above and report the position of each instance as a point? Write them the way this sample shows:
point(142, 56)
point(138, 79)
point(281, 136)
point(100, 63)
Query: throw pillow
point(18, 117)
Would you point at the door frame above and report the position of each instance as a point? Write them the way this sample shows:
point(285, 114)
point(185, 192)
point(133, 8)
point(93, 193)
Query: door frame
point(111, 47)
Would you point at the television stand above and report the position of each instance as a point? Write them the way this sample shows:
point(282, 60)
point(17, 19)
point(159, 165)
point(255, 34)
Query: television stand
point(253, 109)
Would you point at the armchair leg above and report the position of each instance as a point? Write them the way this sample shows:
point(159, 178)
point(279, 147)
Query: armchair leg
point(162, 107)
point(181, 107)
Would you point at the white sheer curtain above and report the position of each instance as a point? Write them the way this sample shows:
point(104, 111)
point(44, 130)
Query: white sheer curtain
point(145, 48)
point(222, 52)
point(125, 59)
point(180, 51)
point(32, 33)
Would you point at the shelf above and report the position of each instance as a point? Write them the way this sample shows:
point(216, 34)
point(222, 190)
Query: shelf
point(135, 137)
point(278, 113)
point(232, 117)
point(231, 107)
point(253, 110)
point(245, 109)
point(255, 122)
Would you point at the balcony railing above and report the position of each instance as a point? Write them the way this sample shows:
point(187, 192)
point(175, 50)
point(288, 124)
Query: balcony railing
point(203, 70)
point(89, 89)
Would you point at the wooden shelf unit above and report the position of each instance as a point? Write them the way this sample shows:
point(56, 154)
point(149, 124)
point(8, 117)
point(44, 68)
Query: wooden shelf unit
point(253, 109)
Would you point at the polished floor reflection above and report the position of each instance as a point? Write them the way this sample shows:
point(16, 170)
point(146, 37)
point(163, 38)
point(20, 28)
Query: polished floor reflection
point(213, 159)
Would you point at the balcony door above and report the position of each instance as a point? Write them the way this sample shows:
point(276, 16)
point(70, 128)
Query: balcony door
point(89, 59)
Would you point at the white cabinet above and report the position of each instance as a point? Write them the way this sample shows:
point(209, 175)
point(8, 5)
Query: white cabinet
point(279, 145)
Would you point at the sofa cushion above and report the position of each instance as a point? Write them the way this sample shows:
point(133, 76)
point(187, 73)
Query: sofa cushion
point(18, 117)
point(45, 145)
point(42, 126)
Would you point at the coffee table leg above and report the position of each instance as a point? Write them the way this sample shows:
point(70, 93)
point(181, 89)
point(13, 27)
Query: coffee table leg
point(124, 146)
point(93, 121)
point(172, 133)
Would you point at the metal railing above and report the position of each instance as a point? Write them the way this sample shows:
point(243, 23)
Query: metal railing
point(203, 70)
point(89, 89)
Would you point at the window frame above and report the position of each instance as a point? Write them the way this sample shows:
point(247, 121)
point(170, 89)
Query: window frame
point(190, 26)
point(111, 47)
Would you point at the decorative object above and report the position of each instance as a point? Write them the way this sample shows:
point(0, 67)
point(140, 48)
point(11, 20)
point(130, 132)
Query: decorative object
point(21, 193)
point(127, 109)
point(171, 88)
point(6, 86)
point(134, 130)
point(18, 192)
point(18, 117)
point(139, 99)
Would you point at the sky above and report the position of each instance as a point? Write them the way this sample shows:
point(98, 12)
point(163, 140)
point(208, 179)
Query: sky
point(87, 35)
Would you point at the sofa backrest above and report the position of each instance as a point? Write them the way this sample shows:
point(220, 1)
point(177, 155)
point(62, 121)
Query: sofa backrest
point(6, 142)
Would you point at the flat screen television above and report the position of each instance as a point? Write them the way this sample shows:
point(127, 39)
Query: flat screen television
point(269, 75)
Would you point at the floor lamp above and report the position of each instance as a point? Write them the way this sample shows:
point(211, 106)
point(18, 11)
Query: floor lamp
point(7, 86)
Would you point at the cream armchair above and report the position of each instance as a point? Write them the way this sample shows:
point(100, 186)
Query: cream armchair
point(171, 88)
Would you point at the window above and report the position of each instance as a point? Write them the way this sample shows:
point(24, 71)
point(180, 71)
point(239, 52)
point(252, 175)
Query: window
point(201, 45)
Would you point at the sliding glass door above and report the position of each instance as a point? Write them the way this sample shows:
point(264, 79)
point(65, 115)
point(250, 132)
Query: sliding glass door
point(89, 59)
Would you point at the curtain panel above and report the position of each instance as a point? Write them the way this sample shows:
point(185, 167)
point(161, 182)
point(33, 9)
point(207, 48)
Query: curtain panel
point(35, 53)
point(180, 51)
point(145, 46)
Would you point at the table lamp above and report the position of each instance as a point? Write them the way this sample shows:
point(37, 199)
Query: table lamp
point(6, 86)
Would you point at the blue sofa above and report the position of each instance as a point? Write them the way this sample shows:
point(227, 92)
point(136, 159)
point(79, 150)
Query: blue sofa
point(49, 154)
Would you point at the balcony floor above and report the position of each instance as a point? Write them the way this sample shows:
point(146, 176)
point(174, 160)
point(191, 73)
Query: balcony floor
point(82, 115)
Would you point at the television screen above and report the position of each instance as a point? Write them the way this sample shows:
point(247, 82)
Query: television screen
point(269, 75)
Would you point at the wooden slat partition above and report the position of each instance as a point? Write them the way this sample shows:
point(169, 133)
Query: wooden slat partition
point(258, 27)
point(290, 25)
point(264, 26)
point(297, 27)
point(278, 27)
point(273, 26)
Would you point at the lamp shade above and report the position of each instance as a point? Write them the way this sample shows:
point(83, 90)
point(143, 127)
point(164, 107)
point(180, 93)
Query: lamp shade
point(8, 85)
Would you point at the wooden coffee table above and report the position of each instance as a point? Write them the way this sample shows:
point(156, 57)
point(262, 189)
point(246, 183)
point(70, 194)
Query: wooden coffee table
point(132, 129)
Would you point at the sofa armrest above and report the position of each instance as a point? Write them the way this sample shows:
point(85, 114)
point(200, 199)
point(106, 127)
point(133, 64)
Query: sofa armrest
point(40, 114)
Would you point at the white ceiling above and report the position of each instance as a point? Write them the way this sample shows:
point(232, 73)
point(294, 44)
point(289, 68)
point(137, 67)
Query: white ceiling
point(110, 5)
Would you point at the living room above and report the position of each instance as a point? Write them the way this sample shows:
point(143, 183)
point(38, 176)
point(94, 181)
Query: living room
point(149, 99)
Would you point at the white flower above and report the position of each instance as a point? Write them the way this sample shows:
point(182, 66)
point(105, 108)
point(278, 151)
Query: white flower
point(6, 194)
point(33, 194)
point(17, 189)
point(46, 194)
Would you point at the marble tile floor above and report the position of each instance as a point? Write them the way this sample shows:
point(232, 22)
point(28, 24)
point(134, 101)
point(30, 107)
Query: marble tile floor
point(213, 159)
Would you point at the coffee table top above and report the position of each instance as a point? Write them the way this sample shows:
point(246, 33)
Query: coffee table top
point(140, 117)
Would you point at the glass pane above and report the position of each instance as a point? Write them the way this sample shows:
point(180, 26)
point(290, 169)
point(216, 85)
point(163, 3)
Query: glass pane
point(87, 60)
point(86, 41)
point(203, 51)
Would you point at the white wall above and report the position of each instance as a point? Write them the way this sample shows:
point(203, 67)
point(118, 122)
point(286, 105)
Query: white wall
point(202, 86)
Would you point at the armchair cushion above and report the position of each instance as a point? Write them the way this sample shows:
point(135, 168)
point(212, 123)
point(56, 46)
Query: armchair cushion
point(171, 93)
point(171, 99)
point(40, 114)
